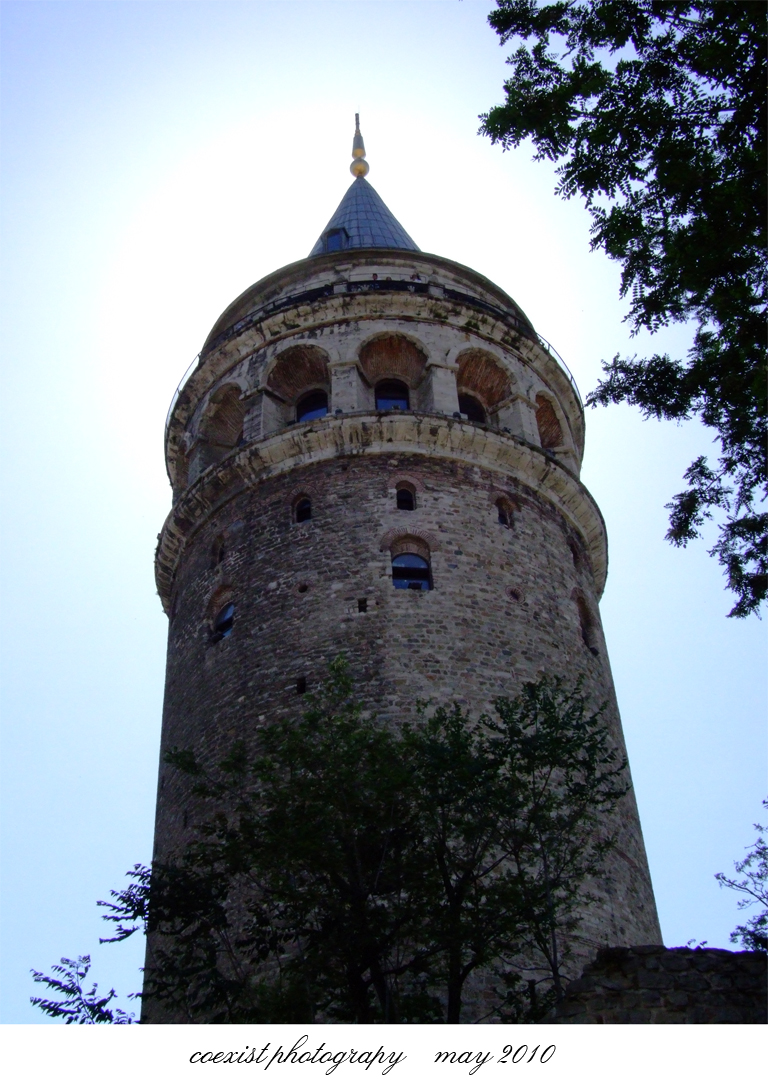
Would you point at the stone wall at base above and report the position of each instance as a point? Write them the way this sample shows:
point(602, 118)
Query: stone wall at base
point(669, 985)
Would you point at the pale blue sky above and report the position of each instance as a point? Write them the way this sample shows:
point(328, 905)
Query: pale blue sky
point(157, 158)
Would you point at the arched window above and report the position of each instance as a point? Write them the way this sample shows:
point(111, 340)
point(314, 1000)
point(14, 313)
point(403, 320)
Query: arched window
point(223, 623)
point(303, 510)
point(313, 404)
point(470, 406)
point(392, 395)
point(406, 497)
point(392, 357)
point(504, 509)
point(482, 377)
point(410, 572)
point(221, 428)
point(550, 432)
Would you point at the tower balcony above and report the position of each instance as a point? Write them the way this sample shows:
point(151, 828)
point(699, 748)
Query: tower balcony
point(332, 334)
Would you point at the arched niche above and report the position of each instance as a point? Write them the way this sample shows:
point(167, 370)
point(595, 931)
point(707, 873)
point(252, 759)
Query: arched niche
point(393, 357)
point(482, 380)
point(550, 429)
point(221, 427)
point(297, 370)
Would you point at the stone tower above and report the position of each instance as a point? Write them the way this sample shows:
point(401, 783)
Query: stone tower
point(377, 455)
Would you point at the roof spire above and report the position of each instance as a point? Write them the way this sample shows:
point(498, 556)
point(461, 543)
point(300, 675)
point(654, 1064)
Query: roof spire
point(359, 166)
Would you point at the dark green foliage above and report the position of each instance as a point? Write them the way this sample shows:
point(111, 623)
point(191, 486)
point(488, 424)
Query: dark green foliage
point(509, 811)
point(131, 905)
point(347, 870)
point(656, 115)
point(311, 847)
point(77, 1005)
point(364, 873)
point(753, 871)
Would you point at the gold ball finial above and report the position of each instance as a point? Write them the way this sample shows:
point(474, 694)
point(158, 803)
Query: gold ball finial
point(359, 165)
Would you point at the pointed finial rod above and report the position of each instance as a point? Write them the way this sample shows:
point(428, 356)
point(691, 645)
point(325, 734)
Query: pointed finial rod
point(359, 166)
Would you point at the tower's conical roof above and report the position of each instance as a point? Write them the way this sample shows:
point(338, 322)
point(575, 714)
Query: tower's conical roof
point(362, 219)
point(367, 221)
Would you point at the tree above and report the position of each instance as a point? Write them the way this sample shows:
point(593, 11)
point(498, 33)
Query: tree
point(656, 115)
point(312, 837)
point(77, 1005)
point(754, 885)
point(351, 870)
point(362, 872)
point(512, 813)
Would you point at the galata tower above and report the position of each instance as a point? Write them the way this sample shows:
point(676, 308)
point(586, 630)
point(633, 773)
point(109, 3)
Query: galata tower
point(376, 455)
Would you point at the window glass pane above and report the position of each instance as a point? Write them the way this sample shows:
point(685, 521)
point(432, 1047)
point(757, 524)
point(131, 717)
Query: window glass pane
point(335, 240)
point(410, 560)
point(405, 500)
point(392, 395)
point(222, 626)
point(313, 405)
point(410, 572)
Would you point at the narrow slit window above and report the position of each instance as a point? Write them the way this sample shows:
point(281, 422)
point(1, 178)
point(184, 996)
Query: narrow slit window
point(406, 498)
point(303, 510)
point(504, 510)
point(411, 572)
point(224, 623)
point(219, 551)
point(587, 623)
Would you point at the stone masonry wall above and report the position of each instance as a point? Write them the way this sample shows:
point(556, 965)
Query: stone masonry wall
point(669, 985)
point(502, 611)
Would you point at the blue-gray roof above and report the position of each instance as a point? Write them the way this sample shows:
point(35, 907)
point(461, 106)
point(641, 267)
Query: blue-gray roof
point(366, 221)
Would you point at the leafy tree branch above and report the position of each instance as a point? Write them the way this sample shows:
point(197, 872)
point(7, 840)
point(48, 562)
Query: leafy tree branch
point(753, 884)
point(655, 113)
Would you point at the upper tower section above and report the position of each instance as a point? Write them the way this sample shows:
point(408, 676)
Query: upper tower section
point(369, 346)
point(362, 219)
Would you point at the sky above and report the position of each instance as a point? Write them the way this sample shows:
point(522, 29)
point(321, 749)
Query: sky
point(157, 159)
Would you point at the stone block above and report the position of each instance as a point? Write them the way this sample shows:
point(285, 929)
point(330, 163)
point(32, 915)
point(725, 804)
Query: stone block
point(677, 998)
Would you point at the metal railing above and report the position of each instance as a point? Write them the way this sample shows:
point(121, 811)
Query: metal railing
point(178, 390)
point(553, 352)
